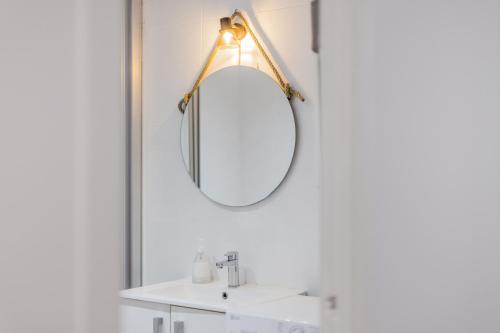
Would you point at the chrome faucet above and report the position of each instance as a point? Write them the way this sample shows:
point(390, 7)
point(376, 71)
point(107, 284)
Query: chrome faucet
point(233, 276)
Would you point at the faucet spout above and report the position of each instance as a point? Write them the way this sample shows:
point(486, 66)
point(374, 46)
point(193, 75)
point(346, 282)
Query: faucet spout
point(221, 264)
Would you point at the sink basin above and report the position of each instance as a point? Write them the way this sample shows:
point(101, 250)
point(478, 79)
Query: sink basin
point(215, 296)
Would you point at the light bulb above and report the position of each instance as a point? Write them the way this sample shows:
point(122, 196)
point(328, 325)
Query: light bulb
point(227, 37)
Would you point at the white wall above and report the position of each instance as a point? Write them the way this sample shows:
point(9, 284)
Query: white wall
point(278, 238)
point(62, 165)
point(426, 158)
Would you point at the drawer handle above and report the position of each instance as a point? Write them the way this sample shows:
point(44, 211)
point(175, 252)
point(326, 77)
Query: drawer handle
point(178, 327)
point(158, 325)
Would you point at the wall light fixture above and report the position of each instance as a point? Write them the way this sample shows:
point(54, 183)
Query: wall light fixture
point(231, 33)
point(232, 30)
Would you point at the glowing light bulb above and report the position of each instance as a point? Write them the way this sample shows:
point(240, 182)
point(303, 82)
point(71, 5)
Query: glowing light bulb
point(227, 37)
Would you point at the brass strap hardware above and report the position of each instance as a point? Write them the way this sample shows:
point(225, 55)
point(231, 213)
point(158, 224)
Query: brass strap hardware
point(284, 85)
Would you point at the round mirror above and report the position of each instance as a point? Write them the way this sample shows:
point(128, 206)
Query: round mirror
point(238, 136)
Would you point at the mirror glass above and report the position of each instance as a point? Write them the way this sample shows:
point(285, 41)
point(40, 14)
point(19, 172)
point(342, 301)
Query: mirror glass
point(238, 136)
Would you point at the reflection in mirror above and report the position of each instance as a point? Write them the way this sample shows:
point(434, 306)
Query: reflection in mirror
point(238, 136)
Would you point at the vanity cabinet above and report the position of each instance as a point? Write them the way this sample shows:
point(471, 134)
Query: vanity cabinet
point(149, 317)
point(186, 320)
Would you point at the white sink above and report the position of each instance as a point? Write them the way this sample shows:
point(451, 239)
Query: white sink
point(215, 296)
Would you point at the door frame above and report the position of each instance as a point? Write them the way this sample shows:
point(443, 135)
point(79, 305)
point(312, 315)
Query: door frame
point(337, 104)
point(336, 98)
point(133, 87)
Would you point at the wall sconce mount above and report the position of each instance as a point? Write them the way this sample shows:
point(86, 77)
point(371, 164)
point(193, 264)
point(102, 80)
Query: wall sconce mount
point(231, 33)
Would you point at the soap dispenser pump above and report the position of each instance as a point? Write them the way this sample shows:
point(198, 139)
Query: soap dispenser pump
point(202, 271)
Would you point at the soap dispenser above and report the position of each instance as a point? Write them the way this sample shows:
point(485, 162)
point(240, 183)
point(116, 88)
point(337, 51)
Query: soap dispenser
point(202, 271)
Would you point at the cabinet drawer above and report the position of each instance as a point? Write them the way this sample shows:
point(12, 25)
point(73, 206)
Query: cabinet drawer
point(144, 317)
point(186, 320)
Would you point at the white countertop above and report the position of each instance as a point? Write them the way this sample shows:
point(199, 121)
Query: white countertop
point(209, 296)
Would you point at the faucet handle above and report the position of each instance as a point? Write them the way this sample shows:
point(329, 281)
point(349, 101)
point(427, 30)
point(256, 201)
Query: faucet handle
point(232, 255)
